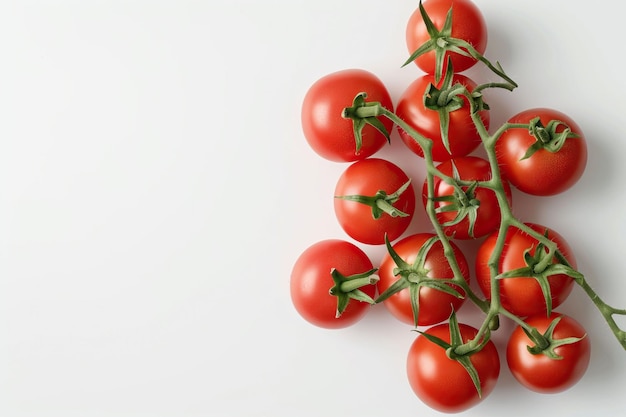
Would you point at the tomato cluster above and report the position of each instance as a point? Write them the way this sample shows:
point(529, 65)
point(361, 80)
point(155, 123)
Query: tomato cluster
point(523, 270)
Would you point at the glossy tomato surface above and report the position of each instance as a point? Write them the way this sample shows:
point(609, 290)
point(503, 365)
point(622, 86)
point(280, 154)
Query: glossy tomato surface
point(544, 173)
point(443, 383)
point(326, 131)
point(468, 23)
point(435, 306)
point(367, 178)
point(522, 296)
point(543, 374)
point(311, 281)
point(463, 137)
point(484, 200)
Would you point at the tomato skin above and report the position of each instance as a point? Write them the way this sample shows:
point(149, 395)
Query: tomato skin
point(488, 217)
point(463, 137)
point(366, 177)
point(442, 383)
point(311, 280)
point(327, 132)
point(540, 373)
point(522, 296)
point(544, 173)
point(468, 23)
point(434, 306)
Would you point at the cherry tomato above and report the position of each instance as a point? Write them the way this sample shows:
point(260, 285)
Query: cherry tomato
point(368, 178)
point(463, 137)
point(539, 372)
point(546, 172)
point(326, 131)
point(443, 383)
point(435, 305)
point(468, 24)
point(482, 201)
point(311, 281)
point(523, 296)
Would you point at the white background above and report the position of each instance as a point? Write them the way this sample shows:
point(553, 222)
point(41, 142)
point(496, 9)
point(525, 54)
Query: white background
point(156, 189)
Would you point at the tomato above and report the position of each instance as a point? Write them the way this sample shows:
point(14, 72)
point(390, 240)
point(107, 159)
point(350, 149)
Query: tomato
point(463, 137)
point(443, 383)
point(481, 202)
point(523, 296)
point(545, 172)
point(326, 131)
point(367, 178)
point(468, 24)
point(435, 305)
point(311, 281)
point(539, 372)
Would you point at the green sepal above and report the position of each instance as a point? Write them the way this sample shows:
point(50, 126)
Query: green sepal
point(364, 113)
point(348, 288)
point(546, 344)
point(444, 100)
point(547, 137)
point(381, 202)
point(541, 266)
point(442, 41)
point(466, 206)
point(456, 339)
point(464, 202)
point(415, 276)
point(434, 339)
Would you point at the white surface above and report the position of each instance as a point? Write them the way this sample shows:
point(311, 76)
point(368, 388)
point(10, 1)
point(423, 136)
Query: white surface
point(156, 189)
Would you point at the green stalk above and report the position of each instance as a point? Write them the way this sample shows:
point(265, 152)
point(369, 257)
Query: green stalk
point(607, 311)
point(431, 172)
point(492, 308)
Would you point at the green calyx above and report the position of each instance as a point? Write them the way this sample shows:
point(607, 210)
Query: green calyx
point(541, 265)
point(548, 137)
point(349, 288)
point(462, 201)
point(450, 97)
point(415, 276)
point(444, 100)
point(364, 113)
point(545, 343)
point(456, 340)
point(441, 41)
point(381, 202)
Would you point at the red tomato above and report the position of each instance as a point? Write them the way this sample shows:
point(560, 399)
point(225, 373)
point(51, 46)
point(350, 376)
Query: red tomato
point(482, 200)
point(368, 178)
point(463, 137)
point(468, 24)
point(540, 373)
point(544, 173)
point(435, 306)
point(443, 383)
point(522, 296)
point(326, 131)
point(311, 281)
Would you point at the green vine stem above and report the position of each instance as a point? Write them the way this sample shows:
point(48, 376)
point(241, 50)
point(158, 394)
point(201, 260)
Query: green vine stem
point(493, 307)
point(431, 172)
point(509, 220)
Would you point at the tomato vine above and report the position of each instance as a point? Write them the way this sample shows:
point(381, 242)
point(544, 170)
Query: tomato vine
point(362, 109)
point(542, 260)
